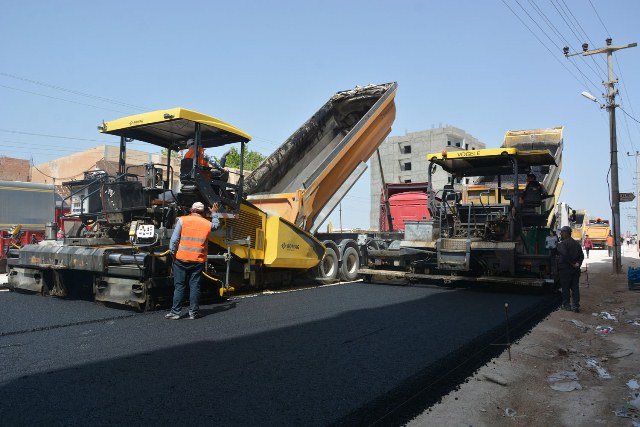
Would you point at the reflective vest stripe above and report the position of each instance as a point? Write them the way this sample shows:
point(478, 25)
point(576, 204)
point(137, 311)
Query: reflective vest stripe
point(193, 239)
point(184, 248)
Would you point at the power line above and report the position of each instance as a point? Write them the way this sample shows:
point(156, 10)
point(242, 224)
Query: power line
point(569, 25)
point(103, 142)
point(604, 61)
point(549, 23)
point(21, 148)
point(626, 124)
point(629, 115)
point(542, 43)
point(571, 28)
point(552, 42)
point(62, 99)
point(51, 136)
point(574, 18)
point(624, 88)
point(64, 178)
point(75, 92)
point(101, 98)
point(600, 19)
point(64, 137)
point(557, 31)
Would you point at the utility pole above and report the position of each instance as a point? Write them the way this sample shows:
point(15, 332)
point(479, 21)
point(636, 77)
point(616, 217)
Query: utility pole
point(637, 178)
point(611, 108)
point(385, 191)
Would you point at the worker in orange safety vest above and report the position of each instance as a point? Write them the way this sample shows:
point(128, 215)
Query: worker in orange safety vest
point(189, 244)
point(190, 153)
point(187, 163)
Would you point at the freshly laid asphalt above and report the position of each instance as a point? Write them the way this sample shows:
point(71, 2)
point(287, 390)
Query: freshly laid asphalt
point(310, 357)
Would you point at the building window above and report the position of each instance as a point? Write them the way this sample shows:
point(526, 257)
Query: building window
point(457, 144)
point(407, 181)
point(449, 180)
point(448, 142)
point(466, 146)
point(473, 148)
point(406, 166)
point(406, 149)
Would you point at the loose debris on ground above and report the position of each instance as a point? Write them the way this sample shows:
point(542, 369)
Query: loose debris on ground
point(572, 369)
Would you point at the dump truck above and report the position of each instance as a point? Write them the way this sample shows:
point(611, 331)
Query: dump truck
point(119, 253)
point(598, 230)
point(493, 232)
point(574, 218)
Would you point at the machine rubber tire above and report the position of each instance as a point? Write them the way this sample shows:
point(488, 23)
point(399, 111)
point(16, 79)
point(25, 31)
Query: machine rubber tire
point(327, 271)
point(350, 264)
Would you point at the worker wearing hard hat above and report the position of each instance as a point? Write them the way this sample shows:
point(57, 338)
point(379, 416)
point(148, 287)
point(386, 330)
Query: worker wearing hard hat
point(610, 245)
point(569, 264)
point(191, 152)
point(189, 244)
point(221, 173)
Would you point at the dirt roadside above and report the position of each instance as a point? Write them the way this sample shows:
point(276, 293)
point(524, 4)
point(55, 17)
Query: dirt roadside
point(519, 392)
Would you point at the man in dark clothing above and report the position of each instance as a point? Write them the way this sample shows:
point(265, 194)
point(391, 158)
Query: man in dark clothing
point(533, 192)
point(532, 181)
point(571, 258)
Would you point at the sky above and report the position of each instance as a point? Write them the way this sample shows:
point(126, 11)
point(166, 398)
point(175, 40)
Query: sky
point(266, 67)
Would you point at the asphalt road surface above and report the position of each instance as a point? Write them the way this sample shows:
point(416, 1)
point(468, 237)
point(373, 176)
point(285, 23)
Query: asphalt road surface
point(340, 354)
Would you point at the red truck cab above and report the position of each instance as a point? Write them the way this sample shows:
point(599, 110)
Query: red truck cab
point(407, 201)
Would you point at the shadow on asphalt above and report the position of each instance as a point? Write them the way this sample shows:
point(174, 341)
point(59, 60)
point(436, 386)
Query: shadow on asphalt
point(221, 307)
point(353, 368)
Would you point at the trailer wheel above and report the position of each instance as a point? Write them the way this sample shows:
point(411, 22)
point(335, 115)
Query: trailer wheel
point(327, 271)
point(350, 264)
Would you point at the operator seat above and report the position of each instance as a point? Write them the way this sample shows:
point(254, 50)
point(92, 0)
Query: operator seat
point(532, 197)
point(187, 185)
point(449, 194)
point(531, 209)
point(186, 165)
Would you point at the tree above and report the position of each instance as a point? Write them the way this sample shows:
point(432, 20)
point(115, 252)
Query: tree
point(174, 154)
point(251, 159)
